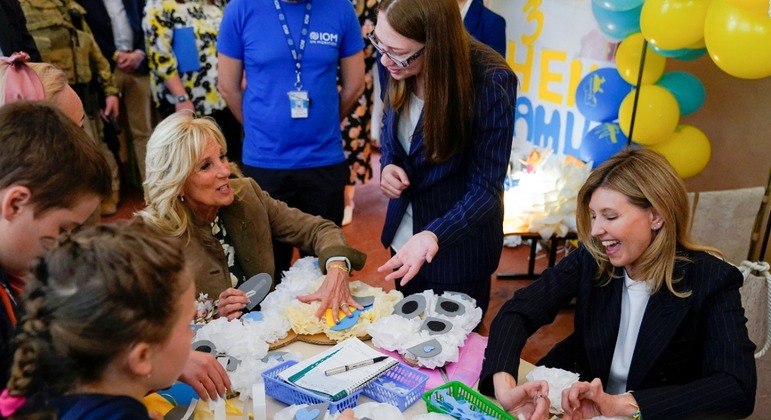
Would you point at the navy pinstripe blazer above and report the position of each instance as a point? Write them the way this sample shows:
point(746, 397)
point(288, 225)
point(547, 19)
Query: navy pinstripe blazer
point(486, 26)
point(461, 199)
point(693, 356)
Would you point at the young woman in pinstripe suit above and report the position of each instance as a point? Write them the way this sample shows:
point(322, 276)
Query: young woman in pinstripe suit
point(446, 142)
point(656, 314)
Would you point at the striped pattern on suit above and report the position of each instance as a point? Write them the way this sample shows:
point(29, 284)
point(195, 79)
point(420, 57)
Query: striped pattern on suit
point(461, 199)
point(486, 26)
point(693, 356)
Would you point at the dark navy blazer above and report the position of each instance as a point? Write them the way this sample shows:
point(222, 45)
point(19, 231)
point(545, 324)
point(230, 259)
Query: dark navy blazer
point(693, 357)
point(486, 26)
point(461, 199)
point(99, 21)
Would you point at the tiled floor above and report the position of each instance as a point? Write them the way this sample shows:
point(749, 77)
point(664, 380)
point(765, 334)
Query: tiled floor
point(364, 234)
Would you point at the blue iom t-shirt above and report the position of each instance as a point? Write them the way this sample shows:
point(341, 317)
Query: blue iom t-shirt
point(251, 32)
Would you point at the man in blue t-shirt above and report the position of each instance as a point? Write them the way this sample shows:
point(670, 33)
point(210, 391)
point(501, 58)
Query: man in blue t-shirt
point(290, 108)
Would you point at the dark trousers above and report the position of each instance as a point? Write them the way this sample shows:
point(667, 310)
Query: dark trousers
point(316, 191)
point(477, 290)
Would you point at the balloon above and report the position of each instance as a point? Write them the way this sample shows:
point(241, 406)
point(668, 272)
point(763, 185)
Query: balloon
point(628, 57)
point(657, 115)
point(680, 54)
point(599, 94)
point(617, 24)
point(687, 150)
point(687, 89)
point(618, 5)
point(673, 24)
point(751, 5)
point(739, 41)
point(602, 142)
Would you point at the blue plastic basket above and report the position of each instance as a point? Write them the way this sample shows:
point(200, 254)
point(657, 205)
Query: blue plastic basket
point(291, 394)
point(403, 376)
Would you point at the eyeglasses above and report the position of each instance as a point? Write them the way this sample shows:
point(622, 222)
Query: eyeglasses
point(405, 62)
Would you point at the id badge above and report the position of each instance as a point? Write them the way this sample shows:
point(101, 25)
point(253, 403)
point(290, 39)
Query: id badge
point(299, 103)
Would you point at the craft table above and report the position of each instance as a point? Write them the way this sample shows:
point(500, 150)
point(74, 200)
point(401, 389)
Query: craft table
point(533, 238)
point(306, 350)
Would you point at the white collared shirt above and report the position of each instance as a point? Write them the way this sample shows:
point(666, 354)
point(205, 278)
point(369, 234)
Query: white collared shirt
point(634, 299)
point(121, 28)
point(408, 121)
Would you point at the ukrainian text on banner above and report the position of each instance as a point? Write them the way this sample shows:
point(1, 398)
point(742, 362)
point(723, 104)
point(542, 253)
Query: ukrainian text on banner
point(552, 45)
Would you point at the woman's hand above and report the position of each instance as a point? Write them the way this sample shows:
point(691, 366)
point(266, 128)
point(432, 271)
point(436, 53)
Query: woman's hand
point(333, 293)
point(188, 105)
point(231, 303)
point(206, 375)
point(111, 107)
point(529, 401)
point(393, 180)
point(585, 400)
point(421, 248)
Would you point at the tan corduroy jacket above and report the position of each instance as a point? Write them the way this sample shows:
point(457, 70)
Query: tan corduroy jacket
point(252, 221)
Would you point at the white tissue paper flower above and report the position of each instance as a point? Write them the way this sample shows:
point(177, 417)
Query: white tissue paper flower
point(395, 333)
point(558, 380)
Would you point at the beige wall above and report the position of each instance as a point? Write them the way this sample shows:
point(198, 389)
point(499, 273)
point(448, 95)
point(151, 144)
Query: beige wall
point(736, 117)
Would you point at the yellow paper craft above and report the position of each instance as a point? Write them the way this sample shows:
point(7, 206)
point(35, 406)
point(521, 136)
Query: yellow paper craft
point(340, 315)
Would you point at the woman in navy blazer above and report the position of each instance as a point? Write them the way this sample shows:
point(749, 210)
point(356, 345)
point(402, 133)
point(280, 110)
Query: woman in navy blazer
point(656, 314)
point(446, 142)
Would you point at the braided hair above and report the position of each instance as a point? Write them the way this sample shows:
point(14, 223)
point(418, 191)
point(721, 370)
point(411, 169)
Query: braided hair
point(89, 297)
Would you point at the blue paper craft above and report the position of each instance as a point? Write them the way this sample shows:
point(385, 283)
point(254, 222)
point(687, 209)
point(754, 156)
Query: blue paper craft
point(313, 412)
point(348, 321)
point(185, 49)
point(255, 316)
point(179, 394)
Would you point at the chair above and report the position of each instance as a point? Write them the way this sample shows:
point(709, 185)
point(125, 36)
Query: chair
point(726, 220)
point(756, 300)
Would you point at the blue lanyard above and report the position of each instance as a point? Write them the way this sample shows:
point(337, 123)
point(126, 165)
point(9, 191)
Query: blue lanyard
point(297, 56)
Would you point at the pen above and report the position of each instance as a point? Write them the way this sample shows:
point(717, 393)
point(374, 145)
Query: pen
point(346, 368)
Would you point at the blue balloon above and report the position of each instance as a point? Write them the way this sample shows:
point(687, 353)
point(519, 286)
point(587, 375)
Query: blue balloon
point(618, 5)
point(687, 89)
point(617, 24)
point(601, 143)
point(686, 54)
point(599, 94)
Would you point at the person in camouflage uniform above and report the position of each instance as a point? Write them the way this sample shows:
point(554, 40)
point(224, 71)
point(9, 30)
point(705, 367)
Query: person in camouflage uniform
point(65, 40)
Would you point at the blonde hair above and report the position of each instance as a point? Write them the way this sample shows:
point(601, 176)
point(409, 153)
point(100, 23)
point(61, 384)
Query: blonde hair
point(175, 146)
point(649, 182)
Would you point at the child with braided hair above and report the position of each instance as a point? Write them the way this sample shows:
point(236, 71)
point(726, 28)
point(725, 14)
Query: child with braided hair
point(107, 321)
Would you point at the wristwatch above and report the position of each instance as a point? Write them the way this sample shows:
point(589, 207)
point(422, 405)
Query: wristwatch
point(181, 98)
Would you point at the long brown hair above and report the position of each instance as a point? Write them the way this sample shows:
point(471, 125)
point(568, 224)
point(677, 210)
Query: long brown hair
point(648, 181)
point(449, 89)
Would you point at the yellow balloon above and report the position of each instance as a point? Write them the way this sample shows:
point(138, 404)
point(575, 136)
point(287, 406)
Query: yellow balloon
point(628, 57)
point(751, 5)
point(739, 41)
point(673, 24)
point(687, 150)
point(657, 115)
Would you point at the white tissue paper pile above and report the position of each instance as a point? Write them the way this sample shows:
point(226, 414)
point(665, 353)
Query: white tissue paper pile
point(246, 341)
point(558, 380)
point(396, 333)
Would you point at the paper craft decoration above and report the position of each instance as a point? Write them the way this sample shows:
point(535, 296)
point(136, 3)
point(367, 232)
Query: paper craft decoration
point(448, 318)
point(185, 49)
point(181, 412)
point(449, 307)
point(463, 296)
point(426, 349)
point(340, 315)
point(434, 326)
point(411, 306)
point(313, 412)
point(364, 301)
point(347, 322)
point(230, 363)
point(310, 373)
point(256, 288)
